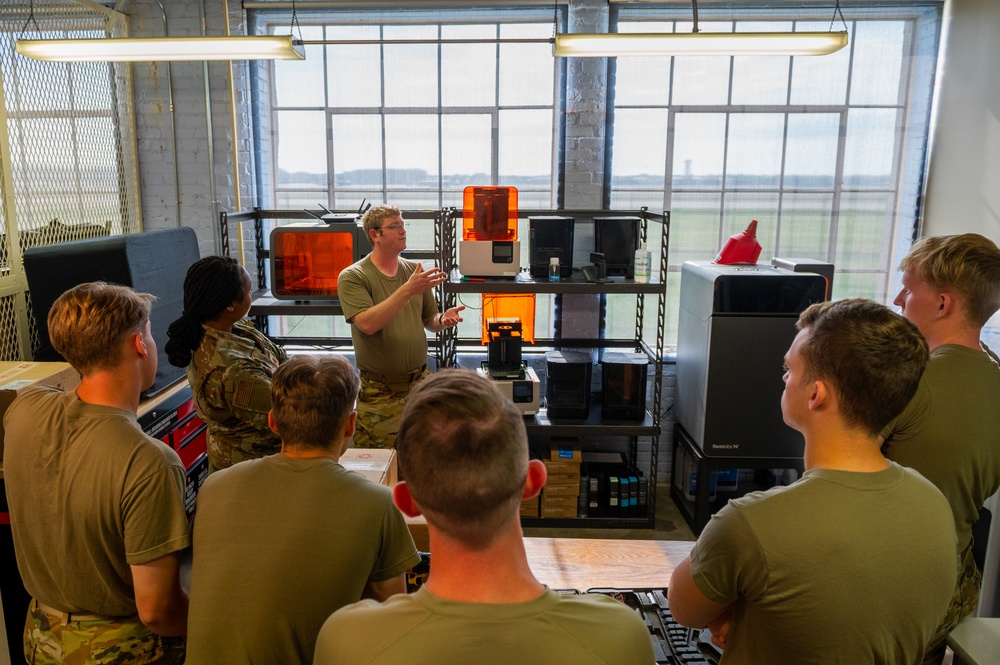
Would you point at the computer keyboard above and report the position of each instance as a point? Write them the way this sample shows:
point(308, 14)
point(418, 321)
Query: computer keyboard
point(673, 644)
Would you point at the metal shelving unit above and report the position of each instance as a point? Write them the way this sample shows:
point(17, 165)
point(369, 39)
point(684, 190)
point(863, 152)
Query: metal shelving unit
point(594, 425)
point(448, 344)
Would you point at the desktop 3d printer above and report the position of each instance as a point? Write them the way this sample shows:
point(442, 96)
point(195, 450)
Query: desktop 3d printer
point(504, 365)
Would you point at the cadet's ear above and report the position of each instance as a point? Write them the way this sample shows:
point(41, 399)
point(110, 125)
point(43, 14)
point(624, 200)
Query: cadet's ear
point(139, 345)
point(537, 475)
point(404, 500)
point(271, 423)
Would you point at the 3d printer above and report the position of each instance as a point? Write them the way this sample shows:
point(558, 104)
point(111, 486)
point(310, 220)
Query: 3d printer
point(307, 257)
point(504, 365)
point(489, 245)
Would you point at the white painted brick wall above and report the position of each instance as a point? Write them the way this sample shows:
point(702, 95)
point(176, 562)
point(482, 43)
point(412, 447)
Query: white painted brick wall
point(196, 165)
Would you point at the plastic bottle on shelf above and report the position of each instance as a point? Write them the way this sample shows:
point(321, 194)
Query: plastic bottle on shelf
point(554, 268)
point(643, 262)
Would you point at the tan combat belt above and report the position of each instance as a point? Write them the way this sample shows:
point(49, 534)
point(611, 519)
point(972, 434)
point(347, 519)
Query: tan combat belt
point(395, 382)
point(66, 617)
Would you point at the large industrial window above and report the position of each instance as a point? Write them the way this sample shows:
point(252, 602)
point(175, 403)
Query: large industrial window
point(411, 124)
point(407, 124)
point(825, 152)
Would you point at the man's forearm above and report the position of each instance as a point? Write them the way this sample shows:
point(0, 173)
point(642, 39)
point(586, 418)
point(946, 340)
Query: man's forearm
point(378, 316)
point(171, 620)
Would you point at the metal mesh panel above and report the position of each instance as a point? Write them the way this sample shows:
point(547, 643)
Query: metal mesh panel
point(33, 340)
point(10, 344)
point(69, 149)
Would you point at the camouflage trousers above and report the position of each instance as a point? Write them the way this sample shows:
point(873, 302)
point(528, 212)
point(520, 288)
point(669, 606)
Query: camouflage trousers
point(223, 452)
point(120, 641)
point(963, 603)
point(380, 410)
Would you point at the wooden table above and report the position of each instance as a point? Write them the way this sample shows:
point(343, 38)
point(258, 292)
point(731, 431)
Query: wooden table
point(586, 563)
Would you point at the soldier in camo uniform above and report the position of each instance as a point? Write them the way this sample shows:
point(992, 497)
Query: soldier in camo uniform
point(389, 303)
point(229, 363)
point(97, 507)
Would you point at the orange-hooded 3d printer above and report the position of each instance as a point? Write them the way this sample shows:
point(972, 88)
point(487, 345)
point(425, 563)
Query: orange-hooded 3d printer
point(307, 257)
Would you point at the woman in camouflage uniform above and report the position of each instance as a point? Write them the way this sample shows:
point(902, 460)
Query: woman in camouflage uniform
point(229, 363)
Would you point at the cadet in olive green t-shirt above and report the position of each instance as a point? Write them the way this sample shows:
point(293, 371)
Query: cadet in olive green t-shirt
point(389, 303)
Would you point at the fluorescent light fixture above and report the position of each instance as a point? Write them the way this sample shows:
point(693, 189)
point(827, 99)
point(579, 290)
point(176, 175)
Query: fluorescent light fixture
point(607, 45)
point(251, 47)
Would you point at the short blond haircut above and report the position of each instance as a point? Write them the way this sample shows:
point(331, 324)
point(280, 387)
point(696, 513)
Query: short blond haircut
point(966, 264)
point(89, 323)
point(376, 215)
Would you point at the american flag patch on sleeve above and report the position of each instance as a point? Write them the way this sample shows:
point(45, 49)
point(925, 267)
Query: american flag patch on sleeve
point(244, 390)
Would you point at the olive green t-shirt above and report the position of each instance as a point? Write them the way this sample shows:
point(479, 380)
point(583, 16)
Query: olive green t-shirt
point(422, 629)
point(399, 347)
point(839, 567)
point(950, 431)
point(89, 495)
point(279, 544)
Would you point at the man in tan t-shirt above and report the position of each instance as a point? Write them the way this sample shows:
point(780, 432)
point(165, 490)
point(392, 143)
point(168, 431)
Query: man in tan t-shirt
point(389, 303)
point(855, 561)
point(97, 507)
point(948, 431)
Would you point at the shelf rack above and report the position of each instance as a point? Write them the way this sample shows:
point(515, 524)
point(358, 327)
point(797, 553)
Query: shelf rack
point(446, 245)
point(446, 351)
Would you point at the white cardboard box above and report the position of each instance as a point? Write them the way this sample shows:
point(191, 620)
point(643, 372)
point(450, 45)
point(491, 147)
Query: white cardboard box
point(16, 376)
point(375, 464)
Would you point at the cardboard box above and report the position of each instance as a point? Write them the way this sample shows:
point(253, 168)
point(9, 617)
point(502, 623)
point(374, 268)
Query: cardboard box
point(550, 501)
point(418, 531)
point(559, 512)
point(16, 376)
point(562, 467)
point(565, 450)
point(529, 508)
point(564, 480)
point(375, 464)
point(559, 489)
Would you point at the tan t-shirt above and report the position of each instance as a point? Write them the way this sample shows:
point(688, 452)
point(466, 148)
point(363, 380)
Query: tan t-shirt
point(839, 567)
point(280, 544)
point(423, 629)
point(399, 347)
point(950, 431)
point(89, 495)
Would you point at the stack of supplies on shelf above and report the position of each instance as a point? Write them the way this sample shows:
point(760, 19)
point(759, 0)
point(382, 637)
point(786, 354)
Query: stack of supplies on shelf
point(613, 487)
point(561, 495)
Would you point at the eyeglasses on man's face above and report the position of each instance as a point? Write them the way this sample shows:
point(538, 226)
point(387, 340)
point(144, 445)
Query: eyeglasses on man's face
point(395, 228)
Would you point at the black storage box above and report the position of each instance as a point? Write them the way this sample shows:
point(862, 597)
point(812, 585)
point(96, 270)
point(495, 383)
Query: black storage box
point(618, 239)
point(551, 237)
point(567, 384)
point(623, 385)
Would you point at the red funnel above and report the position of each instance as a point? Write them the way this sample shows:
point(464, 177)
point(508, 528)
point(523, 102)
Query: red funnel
point(741, 247)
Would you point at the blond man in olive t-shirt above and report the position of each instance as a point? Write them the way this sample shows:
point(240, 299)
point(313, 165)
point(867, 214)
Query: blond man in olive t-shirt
point(97, 507)
point(389, 302)
point(948, 431)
